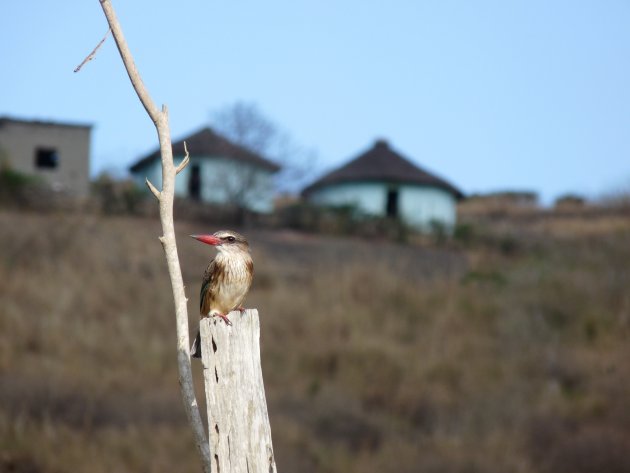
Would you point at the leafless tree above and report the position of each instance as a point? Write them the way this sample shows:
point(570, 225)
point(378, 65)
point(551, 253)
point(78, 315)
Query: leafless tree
point(165, 198)
point(244, 124)
point(241, 436)
point(243, 186)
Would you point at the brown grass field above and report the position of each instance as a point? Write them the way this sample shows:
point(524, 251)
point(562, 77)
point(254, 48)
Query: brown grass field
point(508, 351)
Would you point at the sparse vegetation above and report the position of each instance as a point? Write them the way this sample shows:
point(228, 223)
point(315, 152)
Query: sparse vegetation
point(114, 196)
point(503, 350)
point(16, 187)
point(339, 220)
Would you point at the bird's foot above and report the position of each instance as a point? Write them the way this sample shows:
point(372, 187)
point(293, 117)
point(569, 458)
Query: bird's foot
point(224, 318)
point(241, 309)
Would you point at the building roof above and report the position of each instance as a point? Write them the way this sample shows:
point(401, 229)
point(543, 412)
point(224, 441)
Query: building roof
point(382, 164)
point(4, 120)
point(206, 142)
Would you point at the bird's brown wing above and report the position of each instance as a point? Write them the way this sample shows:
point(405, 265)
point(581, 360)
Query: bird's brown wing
point(208, 284)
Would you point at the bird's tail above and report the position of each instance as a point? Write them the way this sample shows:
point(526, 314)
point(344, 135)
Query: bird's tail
point(195, 350)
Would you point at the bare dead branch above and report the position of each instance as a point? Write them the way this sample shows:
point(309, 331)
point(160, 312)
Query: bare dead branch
point(130, 65)
point(90, 56)
point(152, 188)
point(166, 198)
point(185, 162)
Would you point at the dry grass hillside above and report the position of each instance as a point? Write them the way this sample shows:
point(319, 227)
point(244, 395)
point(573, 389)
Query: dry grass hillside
point(505, 352)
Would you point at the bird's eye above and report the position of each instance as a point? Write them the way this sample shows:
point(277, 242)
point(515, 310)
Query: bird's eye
point(231, 239)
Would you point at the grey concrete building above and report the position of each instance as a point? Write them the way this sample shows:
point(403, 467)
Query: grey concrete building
point(58, 153)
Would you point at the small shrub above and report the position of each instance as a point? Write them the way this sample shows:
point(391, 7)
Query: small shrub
point(438, 231)
point(464, 233)
point(16, 187)
point(508, 245)
point(117, 196)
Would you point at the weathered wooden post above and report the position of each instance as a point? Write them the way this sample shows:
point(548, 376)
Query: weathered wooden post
point(238, 424)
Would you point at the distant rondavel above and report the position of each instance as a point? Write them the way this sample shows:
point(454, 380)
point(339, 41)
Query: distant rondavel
point(220, 172)
point(381, 182)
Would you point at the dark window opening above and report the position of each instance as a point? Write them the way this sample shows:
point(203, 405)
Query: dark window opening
point(194, 182)
point(391, 208)
point(46, 158)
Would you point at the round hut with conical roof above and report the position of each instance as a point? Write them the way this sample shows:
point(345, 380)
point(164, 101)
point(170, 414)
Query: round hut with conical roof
point(220, 172)
point(382, 182)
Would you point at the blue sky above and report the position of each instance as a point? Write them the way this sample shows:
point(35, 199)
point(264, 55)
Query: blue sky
point(492, 95)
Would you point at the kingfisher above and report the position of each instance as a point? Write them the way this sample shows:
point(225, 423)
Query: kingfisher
point(226, 279)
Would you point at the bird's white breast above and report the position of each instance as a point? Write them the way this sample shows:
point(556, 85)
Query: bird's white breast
point(233, 287)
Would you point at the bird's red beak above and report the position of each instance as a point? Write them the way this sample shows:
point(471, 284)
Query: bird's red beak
point(207, 239)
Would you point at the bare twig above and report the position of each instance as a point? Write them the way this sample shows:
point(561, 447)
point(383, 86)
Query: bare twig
point(134, 75)
point(166, 197)
point(185, 161)
point(93, 53)
point(152, 188)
